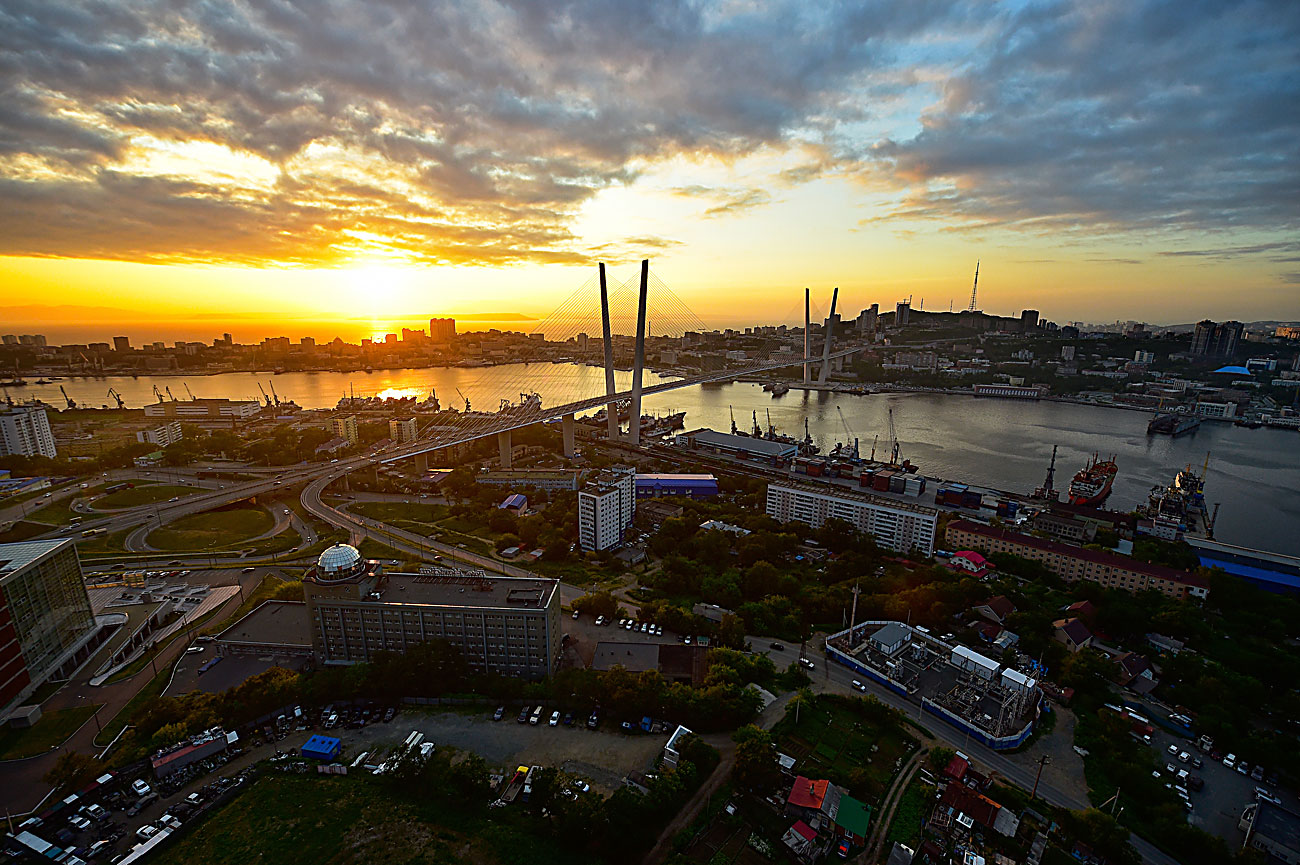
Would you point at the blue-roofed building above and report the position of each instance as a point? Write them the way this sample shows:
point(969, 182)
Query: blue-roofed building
point(516, 502)
point(322, 748)
point(691, 486)
point(1232, 370)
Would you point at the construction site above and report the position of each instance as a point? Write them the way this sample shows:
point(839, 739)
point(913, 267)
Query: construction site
point(996, 705)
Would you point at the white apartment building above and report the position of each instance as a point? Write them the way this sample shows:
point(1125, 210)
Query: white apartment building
point(346, 428)
point(25, 431)
point(401, 430)
point(606, 505)
point(895, 525)
point(162, 436)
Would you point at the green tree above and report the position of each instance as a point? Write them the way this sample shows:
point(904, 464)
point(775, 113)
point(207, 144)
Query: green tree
point(756, 767)
point(72, 770)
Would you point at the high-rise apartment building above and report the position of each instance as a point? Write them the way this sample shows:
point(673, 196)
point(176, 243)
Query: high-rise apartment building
point(606, 506)
point(1028, 320)
point(9, 339)
point(897, 525)
point(1216, 340)
point(46, 622)
point(442, 329)
point(168, 433)
point(902, 313)
point(867, 318)
point(121, 343)
point(504, 625)
point(25, 431)
point(402, 429)
point(346, 428)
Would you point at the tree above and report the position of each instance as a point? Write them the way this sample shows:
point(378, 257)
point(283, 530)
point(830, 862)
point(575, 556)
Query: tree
point(72, 770)
point(756, 767)
point(597, 604)
point(759, 581)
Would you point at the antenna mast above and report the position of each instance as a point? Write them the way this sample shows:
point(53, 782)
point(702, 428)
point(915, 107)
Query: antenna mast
point(974, 288)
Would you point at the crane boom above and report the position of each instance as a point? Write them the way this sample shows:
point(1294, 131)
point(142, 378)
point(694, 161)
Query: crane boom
point(188, 391)
point(462, 396)
point(117, 396)
point(67, 398)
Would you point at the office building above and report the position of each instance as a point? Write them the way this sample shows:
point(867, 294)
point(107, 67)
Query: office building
point(402, 429)
point(1072, 563)
point(46, 624)
point(346, 428)
point(895, 525)
point(606, 506)
point(442, 329)
point(25, 431)
point(691, 486)
point(207, 408)
point(1028, 320)
point(121, 343)
point(504, 625)
point(161, 436)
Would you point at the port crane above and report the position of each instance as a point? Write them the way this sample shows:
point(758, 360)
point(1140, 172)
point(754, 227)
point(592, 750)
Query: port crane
point(169, 394)
point(157, 393)
point(771, 430)
point(848, 432)
point(117, 396)
point(1046, 491)
point(462, 396)
point(893, 438)
point(758, 431)
point(190, 392)
point(275, 396)
point(71, 403)
point(265, 397)
point(733, 419)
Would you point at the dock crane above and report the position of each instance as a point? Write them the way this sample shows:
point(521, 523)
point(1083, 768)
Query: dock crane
point(157, 393)
point(192, 397)
point(758, 431)
point(733, 419)
point(117, 396)
point(169, 393)
point(771, 430)
point(893, 438)
point(266, 398)
point(848, 432)
point(71, 403)
point(275, 396)
point(462, 396)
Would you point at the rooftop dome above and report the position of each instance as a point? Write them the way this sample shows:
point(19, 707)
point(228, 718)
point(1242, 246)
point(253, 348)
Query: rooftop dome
point(338, 559)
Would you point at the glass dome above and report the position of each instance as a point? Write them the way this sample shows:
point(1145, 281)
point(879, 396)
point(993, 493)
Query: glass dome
point(339, 560)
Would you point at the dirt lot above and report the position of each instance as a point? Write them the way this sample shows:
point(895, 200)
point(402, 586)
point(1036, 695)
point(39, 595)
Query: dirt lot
point(602, 757)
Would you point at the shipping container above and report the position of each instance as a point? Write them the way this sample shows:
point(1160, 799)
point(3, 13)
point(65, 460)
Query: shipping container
point(898, 483)
point(971, 500)
point(865, 479)
point(954, 498)
point(881, 481)
point(915, 485)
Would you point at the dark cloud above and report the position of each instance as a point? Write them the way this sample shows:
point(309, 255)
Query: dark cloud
point(1094, 117)
point(474, 131)
point(1227, 252)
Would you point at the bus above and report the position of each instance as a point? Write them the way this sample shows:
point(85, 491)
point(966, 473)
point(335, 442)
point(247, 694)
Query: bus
point(123, 485)
point(90, 533)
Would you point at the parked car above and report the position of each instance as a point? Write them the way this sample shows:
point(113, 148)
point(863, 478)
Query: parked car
point(140, 787)
point(536, 716)
point(499, 713)
point(147, 831)
point(859, 686)
point(523, 715)
point(568, 719)
point(778, 647)
point(555, 718)
point(593, 720)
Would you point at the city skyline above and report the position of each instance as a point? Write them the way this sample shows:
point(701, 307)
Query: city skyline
point(228, 160)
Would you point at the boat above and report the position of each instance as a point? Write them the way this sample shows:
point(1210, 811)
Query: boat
point(1171, 424)
point(1092, 483)
point(1179, 507)
point(13, 382)
point(780, 389)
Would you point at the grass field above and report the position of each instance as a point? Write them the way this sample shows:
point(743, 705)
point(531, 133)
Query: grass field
point(142, 495)
point(55, 514)
point(906, 827)
point(212, 530)
point(22, 530)
point(52, 729)
point(335, 820)
point(395, 512)
point(838, 739)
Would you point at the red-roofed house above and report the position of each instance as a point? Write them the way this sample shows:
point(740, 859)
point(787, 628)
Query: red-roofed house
point(815, 802)
point(969, 806)
point(802, 841)
point(1082, 609)
point(957, 766)
point(996, 609)
point(1136, 673)
point(1073, 633)
point(970, 562)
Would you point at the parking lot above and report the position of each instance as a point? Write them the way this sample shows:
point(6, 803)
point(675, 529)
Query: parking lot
point(603, 756)
point(584, 634)
point(1218, 806)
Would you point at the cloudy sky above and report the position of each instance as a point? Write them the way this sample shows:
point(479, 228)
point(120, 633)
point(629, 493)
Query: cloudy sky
point(1103, 158)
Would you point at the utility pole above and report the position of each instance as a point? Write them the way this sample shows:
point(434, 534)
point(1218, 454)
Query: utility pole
point(1043, 761)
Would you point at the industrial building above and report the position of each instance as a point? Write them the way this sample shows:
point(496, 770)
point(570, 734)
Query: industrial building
point(896, 525)
point(542, 479)
point(1273, 830)
point(25, 431)
point(46, 624)
point(743, 447)
point(1072, 563)
point(691, 486)
point(606, 507)
point(194, 750)
point(162, 436)
point(504, 625)
point(272, 628)
point(204, 409)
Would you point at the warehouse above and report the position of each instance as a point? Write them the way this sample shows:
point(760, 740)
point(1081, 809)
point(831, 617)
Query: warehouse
point(322, 748)
point(744, 447)
point(661, 485)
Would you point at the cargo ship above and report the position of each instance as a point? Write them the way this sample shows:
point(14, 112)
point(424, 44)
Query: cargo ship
point(1170, 424)
point(1092, 483)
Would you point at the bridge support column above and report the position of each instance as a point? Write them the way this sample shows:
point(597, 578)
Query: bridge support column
point(611, 410)
point(422, 463)
point(826, 349)
point(566, 431)
point(638, 358)
point(807, 335)
point(503, 445)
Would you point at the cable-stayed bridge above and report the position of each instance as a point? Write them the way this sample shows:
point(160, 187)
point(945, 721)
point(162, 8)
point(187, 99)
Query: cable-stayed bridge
point(570, 323)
